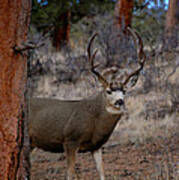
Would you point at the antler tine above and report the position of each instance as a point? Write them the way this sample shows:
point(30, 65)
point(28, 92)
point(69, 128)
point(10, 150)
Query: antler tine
point(91, 59)
point(140, 54)
point(89, 45)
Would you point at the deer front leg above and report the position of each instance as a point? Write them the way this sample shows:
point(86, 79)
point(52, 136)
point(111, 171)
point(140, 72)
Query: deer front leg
point(97, 155)
point(70, 149)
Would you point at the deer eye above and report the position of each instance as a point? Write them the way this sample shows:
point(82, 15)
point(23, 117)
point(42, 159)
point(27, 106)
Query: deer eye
point(108, 92)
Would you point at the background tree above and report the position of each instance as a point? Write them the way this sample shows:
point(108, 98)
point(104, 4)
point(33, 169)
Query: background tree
point(123, 13)
point(61, 34)
point(14, 22)
point(172, 21)
point(47, 17)
point(56, 16)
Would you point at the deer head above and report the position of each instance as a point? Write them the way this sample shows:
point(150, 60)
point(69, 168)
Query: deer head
point(114, 91)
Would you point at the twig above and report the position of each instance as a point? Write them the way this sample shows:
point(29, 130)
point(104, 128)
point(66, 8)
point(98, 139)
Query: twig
point(26, 46)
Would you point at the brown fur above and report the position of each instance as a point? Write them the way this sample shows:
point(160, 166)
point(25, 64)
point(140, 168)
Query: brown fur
point(85, 123)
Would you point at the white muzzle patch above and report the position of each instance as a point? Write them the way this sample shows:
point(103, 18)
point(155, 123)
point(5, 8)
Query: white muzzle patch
point(115, 102)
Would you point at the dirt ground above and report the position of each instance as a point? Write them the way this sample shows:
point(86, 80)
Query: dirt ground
point(156, 159)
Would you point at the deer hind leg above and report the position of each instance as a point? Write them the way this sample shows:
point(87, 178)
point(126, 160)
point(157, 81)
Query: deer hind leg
point(97, 155)
point(70, 149)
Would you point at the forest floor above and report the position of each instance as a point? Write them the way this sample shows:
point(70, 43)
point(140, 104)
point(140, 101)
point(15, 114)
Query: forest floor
point(156, 159)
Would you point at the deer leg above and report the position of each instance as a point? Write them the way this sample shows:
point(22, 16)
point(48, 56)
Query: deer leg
point(70, 149)
point(97, 155)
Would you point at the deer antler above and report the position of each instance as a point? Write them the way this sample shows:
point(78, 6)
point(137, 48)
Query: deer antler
point(140, 54)
point(91, 60)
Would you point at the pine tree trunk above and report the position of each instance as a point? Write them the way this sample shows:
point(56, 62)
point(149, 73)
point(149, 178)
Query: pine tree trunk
point(62, 31)
point(123, 13)
point(172, 22)
point(14, 22)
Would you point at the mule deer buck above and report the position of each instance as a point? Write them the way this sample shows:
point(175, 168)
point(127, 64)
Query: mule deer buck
point(85, 125)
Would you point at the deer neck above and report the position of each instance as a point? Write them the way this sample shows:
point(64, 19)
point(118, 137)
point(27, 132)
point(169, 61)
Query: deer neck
point(97, 106)
point(104, 123)
point(105, 112)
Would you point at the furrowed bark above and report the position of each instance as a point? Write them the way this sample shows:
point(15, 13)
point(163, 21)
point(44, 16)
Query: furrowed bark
point(14, 22)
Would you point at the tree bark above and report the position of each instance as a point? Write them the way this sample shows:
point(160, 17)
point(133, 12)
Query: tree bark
point(14, 22)
point(172, 21)
point(123, 13)
point(62, 30)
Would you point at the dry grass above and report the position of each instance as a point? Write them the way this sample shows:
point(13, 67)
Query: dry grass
point(138, 130)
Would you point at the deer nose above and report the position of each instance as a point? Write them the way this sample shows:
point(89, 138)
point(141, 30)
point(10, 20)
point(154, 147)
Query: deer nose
point(119, 102)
